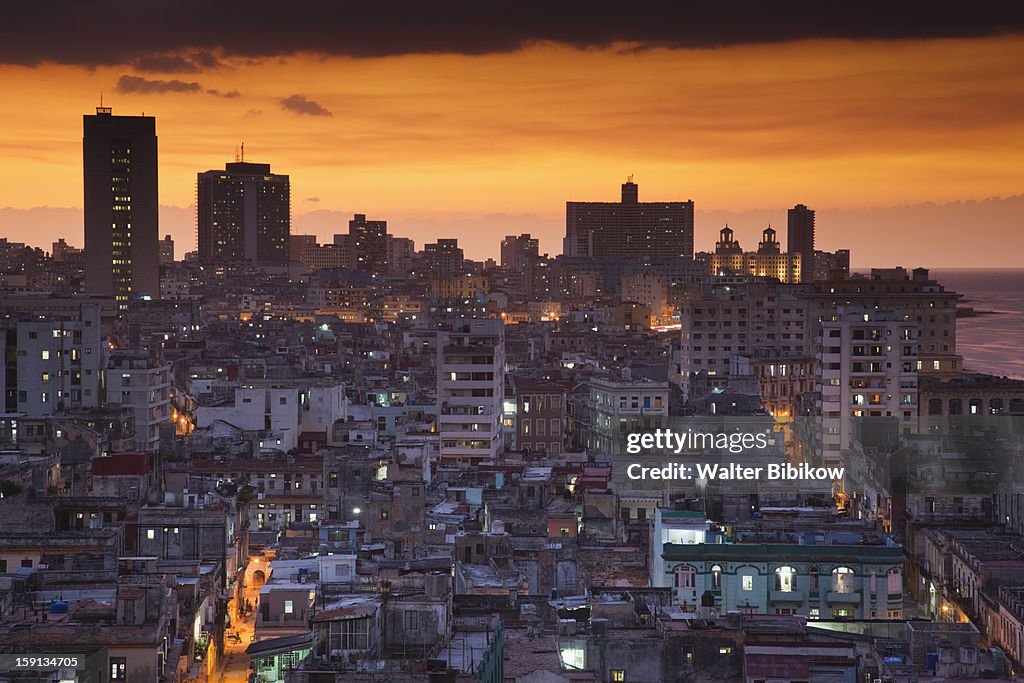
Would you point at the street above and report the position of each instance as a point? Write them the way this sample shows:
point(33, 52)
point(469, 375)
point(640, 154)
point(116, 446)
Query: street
point(235, 664)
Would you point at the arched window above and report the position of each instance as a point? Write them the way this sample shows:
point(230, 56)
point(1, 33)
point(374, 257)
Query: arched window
point(956, 406)
point(842, 580)
point(976, 405)
point(686, 577)
point(935, 406)
point(812, 579)
point(716, 578)
point(785, 579)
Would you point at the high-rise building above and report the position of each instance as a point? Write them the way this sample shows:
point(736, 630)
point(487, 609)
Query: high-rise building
point(368, 243)
point(629, 228)
point(867, 365)
point(166, 251)
point(141, 380)
point(731, 322)
point(914, 294)
point(401, 252)
point(119, 156)
point(520, 259)
point(55, 363)
point(800, 239)
point(519, 252)
point(441, 258)
point(470, 389)
point(244, 214)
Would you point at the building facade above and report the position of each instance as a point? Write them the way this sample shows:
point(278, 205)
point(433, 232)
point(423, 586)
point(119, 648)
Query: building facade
point(470, 388)
point(122, 257)
point(140, 380)
point(629, 228)
point(739, 319)
point(620, 407)
point(243, 214)
point(867, 368)
point(800, 239)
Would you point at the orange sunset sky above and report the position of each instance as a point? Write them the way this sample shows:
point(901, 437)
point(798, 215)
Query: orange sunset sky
point(877, 135)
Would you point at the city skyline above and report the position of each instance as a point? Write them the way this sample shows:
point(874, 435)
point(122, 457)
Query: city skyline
point(518, 342)
point(843, 126)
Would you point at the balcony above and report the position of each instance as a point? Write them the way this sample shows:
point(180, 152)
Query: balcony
point(786, 596)
point(837, 598)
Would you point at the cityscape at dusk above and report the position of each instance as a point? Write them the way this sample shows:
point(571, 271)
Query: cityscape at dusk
point(878, 134)
point(466, 343)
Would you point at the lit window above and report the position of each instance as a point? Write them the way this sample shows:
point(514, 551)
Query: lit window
point(289, 607)
point(785, 579)
point(842, 580)
point(748, 582)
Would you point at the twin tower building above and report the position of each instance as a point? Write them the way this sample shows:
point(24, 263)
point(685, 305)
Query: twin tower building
point(243, 212)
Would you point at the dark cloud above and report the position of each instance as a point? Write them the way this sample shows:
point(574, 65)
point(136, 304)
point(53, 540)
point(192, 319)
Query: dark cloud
point(175, 63)
point(300, 104)
point(96, 32)
point(145, 86)
point(312, 199)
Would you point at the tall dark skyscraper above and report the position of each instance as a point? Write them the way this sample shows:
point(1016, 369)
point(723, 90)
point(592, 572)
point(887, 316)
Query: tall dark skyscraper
point(368, 241)
point(630, 228)
point(800, 239)
point(244, 214)
point(122, 256)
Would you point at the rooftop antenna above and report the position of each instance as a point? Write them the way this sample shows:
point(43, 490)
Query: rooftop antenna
point(102, 109)
point(237, 157)
point(243, 151)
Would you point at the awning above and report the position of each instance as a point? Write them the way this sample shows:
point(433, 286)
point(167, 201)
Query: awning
point(280, 646)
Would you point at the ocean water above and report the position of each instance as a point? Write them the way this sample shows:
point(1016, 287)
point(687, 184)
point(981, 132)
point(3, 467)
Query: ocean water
point(992, 343)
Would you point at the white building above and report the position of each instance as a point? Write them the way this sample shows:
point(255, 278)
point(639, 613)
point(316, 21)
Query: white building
point(818, 571)
point(739, 319)
point(55, 364)
point(282, 411)
point(651, 291)
point(138, 379)
point(867, 369)
point(470, 388)
point(619, 407)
